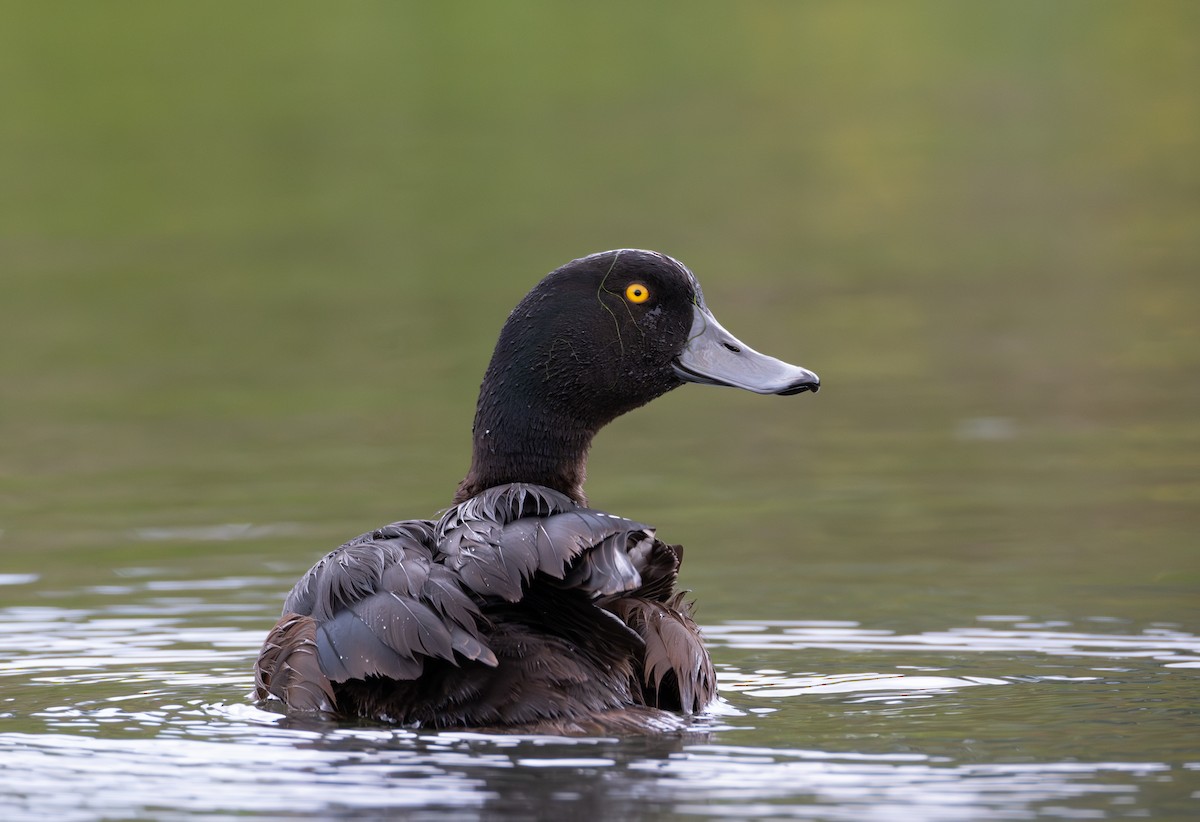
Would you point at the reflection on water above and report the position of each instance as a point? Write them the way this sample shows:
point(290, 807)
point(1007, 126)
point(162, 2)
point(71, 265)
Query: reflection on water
point(1163, 644)
point(140, 705)
point(348, 771)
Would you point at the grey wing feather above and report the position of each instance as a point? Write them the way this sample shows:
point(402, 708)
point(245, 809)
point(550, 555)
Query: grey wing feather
point(351, 649)
point(490, 540)
point(355, 570)
point(545, 532)
point(446, 596)
point(379, 605)
point(609, 568)
point(405, 623)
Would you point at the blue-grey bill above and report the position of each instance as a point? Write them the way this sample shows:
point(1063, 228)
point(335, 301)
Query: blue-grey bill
point(713, 356)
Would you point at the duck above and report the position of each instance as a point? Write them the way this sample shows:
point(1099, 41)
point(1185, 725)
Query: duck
point(520, 607)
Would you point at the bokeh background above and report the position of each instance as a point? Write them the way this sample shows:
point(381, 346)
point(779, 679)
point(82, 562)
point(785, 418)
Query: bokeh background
point(253, 260)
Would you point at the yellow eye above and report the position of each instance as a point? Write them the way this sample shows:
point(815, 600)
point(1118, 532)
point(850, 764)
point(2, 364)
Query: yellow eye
point(637, 293)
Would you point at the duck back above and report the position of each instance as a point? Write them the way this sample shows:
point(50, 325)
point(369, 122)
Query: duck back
point(518, 608)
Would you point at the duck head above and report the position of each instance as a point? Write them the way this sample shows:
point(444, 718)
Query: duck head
point(594, 339)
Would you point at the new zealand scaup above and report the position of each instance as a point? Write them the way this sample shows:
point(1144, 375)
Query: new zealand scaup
point(521, 607)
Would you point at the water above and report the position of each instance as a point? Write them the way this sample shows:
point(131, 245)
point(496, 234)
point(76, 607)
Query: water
point(138, 701)
point(245, 304)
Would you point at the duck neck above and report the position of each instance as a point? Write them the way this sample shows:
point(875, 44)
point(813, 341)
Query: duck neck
point(533, 445)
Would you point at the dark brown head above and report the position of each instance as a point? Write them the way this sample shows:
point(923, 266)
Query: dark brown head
point(596, 338)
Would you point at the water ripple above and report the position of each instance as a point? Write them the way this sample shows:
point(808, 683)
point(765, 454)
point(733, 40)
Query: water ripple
point(139, 701)
point(1173, 648)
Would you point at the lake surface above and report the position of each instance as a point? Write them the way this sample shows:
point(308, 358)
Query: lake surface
point(134, 694)
point(251, 270)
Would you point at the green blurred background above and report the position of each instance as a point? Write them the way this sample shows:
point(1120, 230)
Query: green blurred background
point(253, 258)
